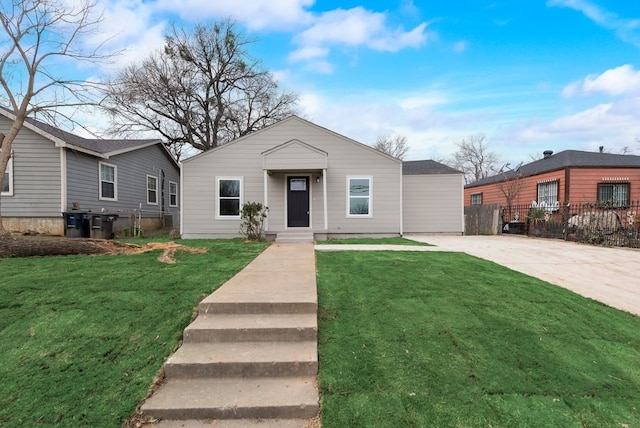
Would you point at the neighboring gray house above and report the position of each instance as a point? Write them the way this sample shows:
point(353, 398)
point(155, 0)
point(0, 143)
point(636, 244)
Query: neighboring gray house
point(52, 171)
point(319, 184)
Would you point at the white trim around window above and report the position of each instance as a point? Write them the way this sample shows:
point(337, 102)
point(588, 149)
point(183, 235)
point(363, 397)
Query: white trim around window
point(107, 182)
point(173, 194)
point(6, 184)
point(359, 196)
point(152, 189)
point(228, 198)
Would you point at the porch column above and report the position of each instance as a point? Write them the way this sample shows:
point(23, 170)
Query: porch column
point(265, 196)
point(324, 197)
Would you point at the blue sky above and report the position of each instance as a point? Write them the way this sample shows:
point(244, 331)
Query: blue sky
point(530, 75)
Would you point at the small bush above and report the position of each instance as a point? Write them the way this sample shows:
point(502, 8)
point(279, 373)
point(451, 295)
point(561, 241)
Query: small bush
point(253, 215)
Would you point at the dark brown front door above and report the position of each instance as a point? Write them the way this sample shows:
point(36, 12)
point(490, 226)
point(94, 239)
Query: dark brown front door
point(298, 201)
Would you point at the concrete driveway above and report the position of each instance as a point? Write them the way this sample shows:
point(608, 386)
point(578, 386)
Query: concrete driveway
point(609, 275)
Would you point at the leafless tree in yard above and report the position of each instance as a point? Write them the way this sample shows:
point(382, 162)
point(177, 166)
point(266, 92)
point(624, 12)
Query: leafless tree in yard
point(36, 36)
point(474, 158)
point(204, 89)
point(511, 183)
point(395, 146)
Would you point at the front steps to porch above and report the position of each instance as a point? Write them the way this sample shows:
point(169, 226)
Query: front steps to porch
point(250, 356)
point(292, 237)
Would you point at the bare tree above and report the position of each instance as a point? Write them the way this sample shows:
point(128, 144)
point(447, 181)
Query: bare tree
point(36, 36)
point(202, 90)
point(511, 183)
point(395, 146)
point(474, 158)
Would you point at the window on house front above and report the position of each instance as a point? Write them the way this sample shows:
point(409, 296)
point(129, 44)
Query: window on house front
point(229, 197)
point(108, 182)
point(7, 180)
point(152, 190)
point(614, 194)
point(548, 193)
point(476, 199)
point(173, 194)
point(359, 196)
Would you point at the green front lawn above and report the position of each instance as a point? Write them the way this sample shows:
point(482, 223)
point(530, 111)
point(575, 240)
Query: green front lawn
point(82, 337)
point(372, 241)
point(448, 340)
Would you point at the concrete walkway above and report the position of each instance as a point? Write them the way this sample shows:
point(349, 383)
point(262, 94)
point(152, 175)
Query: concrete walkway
point(250, 357)
point(609, 275)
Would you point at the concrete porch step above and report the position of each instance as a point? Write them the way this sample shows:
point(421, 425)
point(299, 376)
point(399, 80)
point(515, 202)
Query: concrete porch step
point(235, 398)
point(252, 328)
point(243, 359)
point(294, 237)
point(280, 305)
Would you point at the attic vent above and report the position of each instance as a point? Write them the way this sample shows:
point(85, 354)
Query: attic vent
point(547, 154)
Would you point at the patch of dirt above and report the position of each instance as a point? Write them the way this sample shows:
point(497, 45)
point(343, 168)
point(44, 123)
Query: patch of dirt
point(29, 247)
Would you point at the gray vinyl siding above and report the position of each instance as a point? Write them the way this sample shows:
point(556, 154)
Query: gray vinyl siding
point(433, 203)
point(36, 176)
point(132, 168)
point(243, 158)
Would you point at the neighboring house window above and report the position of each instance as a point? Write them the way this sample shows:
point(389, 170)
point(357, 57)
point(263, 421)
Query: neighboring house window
point(359, 196)
point(229, 197)
point(548, 193)
point(615, 194)
point(173, 194)
point(7, 180)
point(108, 181)
point(152, 190)
point(476, 199)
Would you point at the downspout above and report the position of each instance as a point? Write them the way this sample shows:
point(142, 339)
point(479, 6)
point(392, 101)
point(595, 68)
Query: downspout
point(401, 203)
point(181, 208)
point(63, 180)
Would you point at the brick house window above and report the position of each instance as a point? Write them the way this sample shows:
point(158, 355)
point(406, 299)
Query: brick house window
point(476, 199)
point(614, 194)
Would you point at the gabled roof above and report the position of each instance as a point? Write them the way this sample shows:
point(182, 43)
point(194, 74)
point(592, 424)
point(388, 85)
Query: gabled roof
point(288, 119)
point(103, 148)
point(421, 167)
point(565, 159)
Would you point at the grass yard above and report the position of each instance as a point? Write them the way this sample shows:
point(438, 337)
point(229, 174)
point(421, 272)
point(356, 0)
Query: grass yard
point(372, 241)
point(82, 337)
point(448, 340)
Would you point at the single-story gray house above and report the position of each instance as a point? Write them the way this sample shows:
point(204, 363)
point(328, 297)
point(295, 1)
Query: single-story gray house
point(52, 171)
point(319, 184)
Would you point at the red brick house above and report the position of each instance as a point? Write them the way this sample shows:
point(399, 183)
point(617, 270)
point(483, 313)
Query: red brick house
point(570, 176)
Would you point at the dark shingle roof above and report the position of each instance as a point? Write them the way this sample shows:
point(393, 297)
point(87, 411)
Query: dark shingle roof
point(420, 167)
point(564, 159)
point(96, 145)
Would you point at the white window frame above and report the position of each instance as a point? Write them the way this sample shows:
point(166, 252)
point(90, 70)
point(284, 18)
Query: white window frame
point(475, 197)
point(615, 193)
point(219, 216)
point(115, 182)
point(369, 197)
point(545, 196)
point(8, 171)
point(155, 177)
point(175, 194)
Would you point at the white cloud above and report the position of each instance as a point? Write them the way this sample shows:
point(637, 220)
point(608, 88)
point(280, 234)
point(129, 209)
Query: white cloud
point(627, 30)
point(255, 14)
point(353, 28)
point(621, 80)
point(460, 46)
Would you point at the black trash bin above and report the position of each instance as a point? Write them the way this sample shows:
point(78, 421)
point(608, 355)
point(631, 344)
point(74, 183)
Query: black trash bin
point(102, 225)
point(77, 224)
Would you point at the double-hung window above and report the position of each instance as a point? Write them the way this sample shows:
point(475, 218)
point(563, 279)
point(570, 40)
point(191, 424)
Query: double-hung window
point(229, 197)
point(7, 180)
point(152, 190)
point(476, 199)
point(108, 182)
point(614, 194)
point(359, 191)
point(173, 194)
